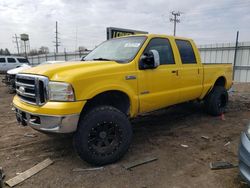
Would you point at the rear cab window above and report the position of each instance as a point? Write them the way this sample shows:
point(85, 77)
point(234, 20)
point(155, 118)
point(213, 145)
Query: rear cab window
point(2, 60)
point(11, 60)
point(186, 51)
point(23, 60)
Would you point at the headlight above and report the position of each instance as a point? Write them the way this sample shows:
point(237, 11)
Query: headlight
point(248, 131)
point(60, 91)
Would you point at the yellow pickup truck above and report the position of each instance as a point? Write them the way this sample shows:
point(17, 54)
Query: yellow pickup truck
point(121, 78)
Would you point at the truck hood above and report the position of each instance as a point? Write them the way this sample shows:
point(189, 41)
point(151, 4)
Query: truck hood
point(68, 70)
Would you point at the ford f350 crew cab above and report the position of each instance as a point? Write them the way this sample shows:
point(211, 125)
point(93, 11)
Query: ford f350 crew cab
point(121, 78)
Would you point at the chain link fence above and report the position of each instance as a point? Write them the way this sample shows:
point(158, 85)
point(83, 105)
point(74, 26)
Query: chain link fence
point(66, 56)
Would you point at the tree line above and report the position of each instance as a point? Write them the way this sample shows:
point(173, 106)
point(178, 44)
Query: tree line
point(4, 51)
point(39, 51)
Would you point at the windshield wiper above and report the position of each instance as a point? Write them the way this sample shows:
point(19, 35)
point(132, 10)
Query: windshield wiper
point(102, 59)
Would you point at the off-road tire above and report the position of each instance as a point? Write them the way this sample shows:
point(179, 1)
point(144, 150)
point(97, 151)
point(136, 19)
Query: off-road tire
point(103, 135)
point(216, 101)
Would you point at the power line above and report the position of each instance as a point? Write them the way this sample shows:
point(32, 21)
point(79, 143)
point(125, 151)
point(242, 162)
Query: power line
point(175, 19)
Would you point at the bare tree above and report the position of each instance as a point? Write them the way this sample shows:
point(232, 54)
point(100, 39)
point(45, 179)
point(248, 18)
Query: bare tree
point(33, 52)
point(4, 51)
point(82, 48)
point(43, 50)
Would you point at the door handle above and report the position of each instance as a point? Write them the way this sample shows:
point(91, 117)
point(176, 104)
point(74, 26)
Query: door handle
point(175, 72)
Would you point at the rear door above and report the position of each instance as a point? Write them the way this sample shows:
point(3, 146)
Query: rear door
point(23, 60)
point(2, 64)
point(159, 87)
point(191, 71)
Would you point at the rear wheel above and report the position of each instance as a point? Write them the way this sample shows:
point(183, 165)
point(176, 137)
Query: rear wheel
point(216, 101)
point(103, 136)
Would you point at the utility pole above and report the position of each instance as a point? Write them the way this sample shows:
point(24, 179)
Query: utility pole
point(16, 42)
point(175, 19)
point(57, 39)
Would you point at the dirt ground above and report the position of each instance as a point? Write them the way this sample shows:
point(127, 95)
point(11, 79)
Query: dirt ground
point(159, 134)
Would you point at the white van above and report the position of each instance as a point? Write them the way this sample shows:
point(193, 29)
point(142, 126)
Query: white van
point(10, 62)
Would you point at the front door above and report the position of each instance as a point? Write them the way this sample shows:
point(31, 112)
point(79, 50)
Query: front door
point(158, 87)
point(11, 63)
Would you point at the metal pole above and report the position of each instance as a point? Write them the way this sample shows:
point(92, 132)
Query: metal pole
point(17, 44)
point(175, 24)
point(25, 49)
point(65, 55)
point(235, 52)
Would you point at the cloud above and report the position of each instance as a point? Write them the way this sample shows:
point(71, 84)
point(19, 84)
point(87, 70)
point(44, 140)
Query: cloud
point(84, 22)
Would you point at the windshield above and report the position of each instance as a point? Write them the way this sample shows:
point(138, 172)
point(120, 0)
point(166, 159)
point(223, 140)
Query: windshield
point(119, 49)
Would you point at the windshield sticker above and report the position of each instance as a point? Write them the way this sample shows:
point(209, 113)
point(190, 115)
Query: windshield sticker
point(132, 45)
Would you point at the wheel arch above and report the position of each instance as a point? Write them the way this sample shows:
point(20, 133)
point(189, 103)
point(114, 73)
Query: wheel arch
point(116, 98)
point(219, 81)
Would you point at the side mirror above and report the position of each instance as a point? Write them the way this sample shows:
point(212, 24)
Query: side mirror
point(150, 60)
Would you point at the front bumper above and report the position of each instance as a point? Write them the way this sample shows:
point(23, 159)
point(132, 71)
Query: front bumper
point(46, 123)
point(244, 157)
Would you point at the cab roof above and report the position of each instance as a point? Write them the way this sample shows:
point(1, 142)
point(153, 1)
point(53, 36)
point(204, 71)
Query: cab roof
point(151, 35)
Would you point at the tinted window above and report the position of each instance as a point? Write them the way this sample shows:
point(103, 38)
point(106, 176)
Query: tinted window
point(186, 51)
point(11, 60)
point(2, 60)
point(164, 49)
point(22, 60)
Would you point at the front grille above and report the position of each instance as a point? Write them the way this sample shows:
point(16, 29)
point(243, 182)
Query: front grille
point(32, 88)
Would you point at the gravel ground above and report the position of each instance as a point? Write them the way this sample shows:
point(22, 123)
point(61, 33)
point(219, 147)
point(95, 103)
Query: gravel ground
point(159, 134)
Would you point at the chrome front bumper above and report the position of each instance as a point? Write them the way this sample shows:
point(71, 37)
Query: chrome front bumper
point(46, 123)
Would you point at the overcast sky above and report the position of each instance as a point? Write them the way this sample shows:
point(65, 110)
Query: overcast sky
point(211, 21)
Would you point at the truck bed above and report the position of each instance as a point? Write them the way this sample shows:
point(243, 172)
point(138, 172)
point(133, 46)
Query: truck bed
point(212, 71)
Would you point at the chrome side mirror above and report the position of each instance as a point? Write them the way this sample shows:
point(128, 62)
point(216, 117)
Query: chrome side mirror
point(150, 60)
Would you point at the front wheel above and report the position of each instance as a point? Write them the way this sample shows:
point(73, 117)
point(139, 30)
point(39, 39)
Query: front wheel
point(216, 101)
point(103, 135)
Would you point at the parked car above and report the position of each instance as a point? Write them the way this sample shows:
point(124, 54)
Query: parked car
point(10, 76)
point(10, 62)
point(120, 79)
point(244, 155)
